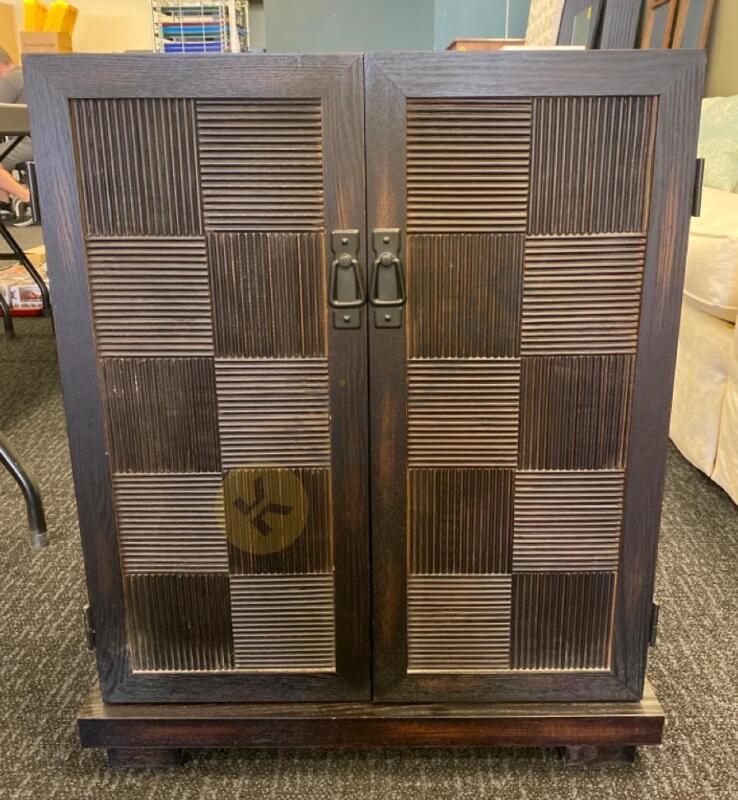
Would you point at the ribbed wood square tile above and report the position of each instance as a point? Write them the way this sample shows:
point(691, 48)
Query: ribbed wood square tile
point(575, 411)
point(562, 620)
point(567, 521)
point(160, 414)
point(171, 523)
point(582, 294)
point(467, 165)
point(273, 413)
point(179, 622)
point(464, 295)
point(458, 623)
point(591, 164)
point(150, 296)
point(137, 166)
point(460, 520)
point(283, 623)
point(261, 164)
point(462, 413)
point(280, 279)
point(279, 520)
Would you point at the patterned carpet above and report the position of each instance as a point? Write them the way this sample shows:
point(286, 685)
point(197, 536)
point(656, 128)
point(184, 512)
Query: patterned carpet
point(46, 669)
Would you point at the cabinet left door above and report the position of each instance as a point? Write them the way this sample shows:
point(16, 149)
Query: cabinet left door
point(216, 404)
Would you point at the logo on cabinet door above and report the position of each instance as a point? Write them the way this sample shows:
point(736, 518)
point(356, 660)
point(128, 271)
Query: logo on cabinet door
point(265, 509)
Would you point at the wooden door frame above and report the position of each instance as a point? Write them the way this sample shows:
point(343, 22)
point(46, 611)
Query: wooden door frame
point(52, 81)
point(675, 78)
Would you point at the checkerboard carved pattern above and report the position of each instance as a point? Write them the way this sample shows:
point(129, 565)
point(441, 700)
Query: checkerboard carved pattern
point(204, 402)
point(561, 288)
point(524, 267)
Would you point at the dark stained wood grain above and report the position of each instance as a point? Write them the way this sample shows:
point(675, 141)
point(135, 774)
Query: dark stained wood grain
point(526, 74)
point(261, 163)
point(345, 208)
point(150, 296)
point(334, 85)
point(283, 623)
point(169, 522)
point(179, 622)
point(561, 620)
point(137, 166)
point(567, 521)
point(673, 78)
point(160, 414)
point(582, 294)
point(370, 724)
point(467, 165)
point(574, 411)
point(273, 412)
point(460, 521)
point(590, 164)
point(462, 412)
point(458, 623)
point(279, 278)
point(464, 295)
point(385, 197)
point(674, 169)
point(628, 91)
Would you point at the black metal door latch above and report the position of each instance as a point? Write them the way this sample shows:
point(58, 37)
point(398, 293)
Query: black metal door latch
point(346, 293)
point(387, 292)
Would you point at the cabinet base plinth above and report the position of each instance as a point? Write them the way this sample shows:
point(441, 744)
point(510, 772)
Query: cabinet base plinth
point(150, 734)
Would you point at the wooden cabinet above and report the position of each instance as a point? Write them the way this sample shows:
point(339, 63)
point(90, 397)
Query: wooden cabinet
point(367, 366)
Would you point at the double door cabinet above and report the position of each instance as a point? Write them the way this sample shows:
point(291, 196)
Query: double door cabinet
point(367, 366)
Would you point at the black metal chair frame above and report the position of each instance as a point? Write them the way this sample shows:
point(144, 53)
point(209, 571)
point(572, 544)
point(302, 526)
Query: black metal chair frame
point(8, 458)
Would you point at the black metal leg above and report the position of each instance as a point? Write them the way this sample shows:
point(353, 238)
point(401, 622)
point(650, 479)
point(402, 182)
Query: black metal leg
point(10, 147)
point(7, 318)
point(36, 516)
point(32, 271)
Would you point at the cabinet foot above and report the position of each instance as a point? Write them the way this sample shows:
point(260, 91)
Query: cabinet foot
point(142, 757)
point(590, 754)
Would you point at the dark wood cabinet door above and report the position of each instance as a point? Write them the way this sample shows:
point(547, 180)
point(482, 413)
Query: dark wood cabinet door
point(520, 400)
point(218, 419)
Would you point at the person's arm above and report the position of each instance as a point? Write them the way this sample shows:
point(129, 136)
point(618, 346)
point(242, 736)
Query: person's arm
point(8, 91)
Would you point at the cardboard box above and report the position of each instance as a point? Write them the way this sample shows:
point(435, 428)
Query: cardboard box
point(19, 289)
point(45, 42)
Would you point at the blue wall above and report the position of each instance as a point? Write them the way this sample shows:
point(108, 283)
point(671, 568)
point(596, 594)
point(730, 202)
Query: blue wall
point(344, 26)
point(455, 19)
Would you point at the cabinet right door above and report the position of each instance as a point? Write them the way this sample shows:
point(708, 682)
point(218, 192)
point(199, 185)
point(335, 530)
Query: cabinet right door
point(537, 205)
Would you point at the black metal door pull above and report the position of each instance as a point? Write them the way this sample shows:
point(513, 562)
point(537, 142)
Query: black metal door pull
point(346, 292)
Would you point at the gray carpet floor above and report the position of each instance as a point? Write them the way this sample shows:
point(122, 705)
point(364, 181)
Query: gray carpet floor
point(46, 670)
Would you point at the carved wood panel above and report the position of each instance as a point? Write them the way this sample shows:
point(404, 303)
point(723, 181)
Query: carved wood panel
point(138, 159)
point(458, 623)
point(520, 339)
point(262, 164)
point(205, 232)
point(467, 165)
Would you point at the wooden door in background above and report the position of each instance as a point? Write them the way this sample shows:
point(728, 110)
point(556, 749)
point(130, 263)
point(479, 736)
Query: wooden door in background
point(520, 400)
point(217, 417)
